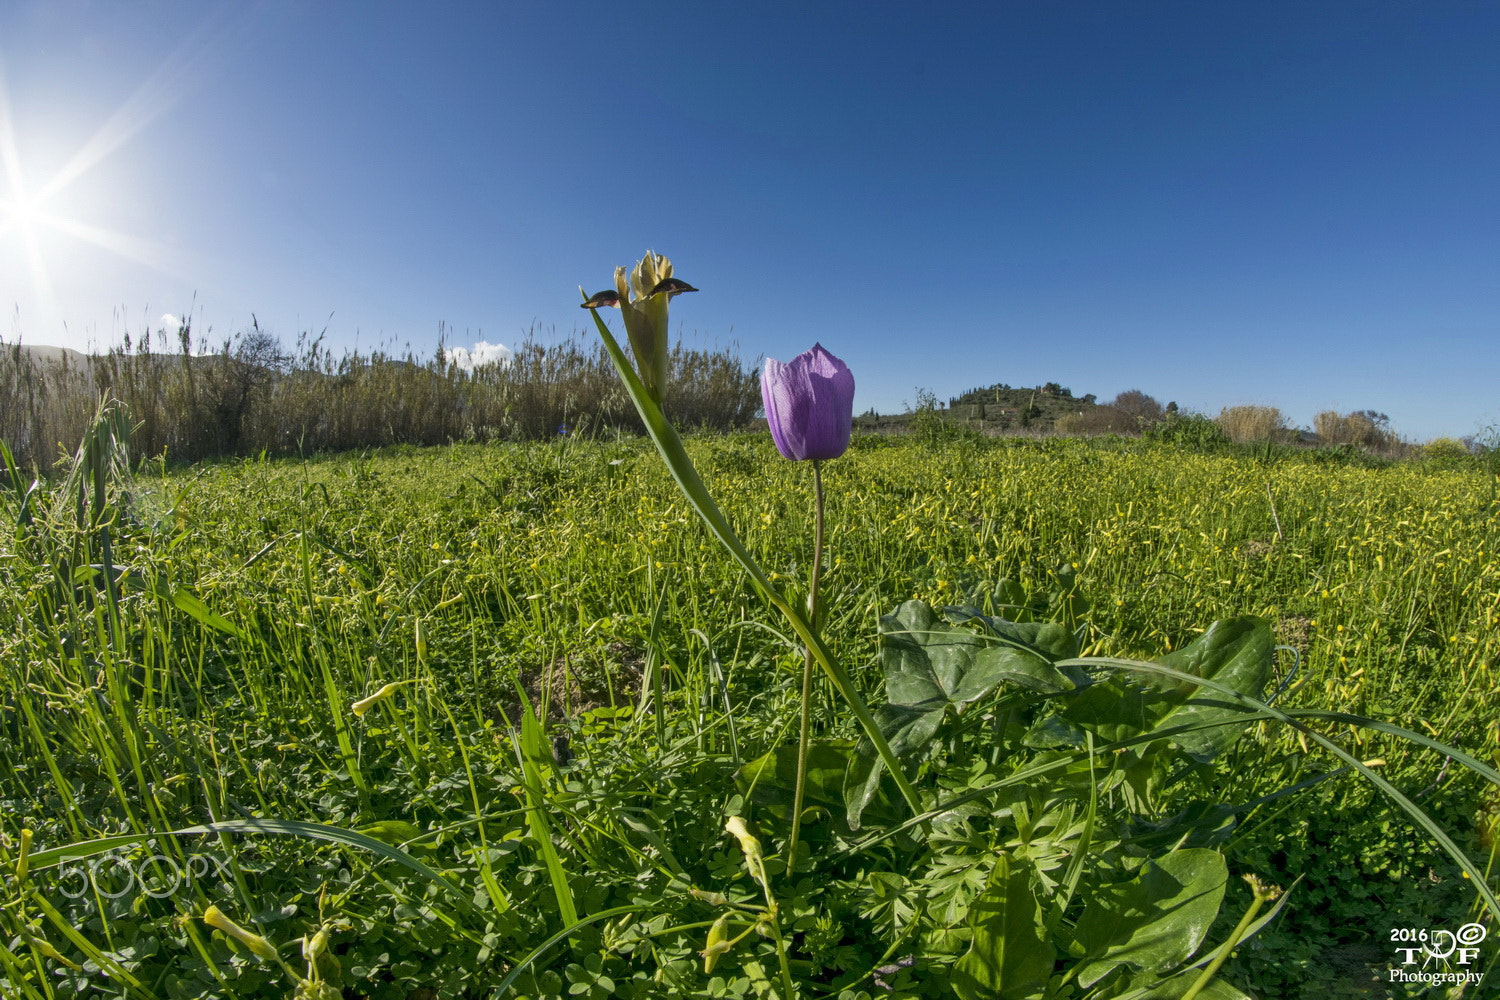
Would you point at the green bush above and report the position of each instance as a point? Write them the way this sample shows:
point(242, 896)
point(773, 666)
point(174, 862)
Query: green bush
point(1189, 430)
point(1446, 450)
point(931, 426)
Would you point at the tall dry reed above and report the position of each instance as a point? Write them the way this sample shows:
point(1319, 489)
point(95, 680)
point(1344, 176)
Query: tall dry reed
point(1248, 424)
point(250, 396)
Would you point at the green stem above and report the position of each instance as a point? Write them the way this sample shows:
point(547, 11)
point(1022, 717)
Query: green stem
point(1212, 970)
point(781, 958)
point(804, 723)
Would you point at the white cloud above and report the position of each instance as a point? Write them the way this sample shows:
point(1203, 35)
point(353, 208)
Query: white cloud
point(482, 353)
point(170, 323)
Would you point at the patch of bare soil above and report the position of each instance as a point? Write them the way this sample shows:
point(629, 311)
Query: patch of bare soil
point(578, 682)
point(1295, 631)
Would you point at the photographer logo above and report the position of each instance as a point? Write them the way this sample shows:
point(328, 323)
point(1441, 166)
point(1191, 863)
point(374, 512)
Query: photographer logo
point(1437, 955)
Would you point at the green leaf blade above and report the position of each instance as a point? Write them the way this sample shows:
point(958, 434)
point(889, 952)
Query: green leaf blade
point(1010, 957)
point(1155, 921)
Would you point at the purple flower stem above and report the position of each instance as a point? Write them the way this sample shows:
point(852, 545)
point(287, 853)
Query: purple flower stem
point(804, 723)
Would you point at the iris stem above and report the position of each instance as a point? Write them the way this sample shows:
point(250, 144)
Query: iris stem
point(804, 723)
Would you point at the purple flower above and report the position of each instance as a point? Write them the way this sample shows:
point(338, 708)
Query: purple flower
point(809, 404)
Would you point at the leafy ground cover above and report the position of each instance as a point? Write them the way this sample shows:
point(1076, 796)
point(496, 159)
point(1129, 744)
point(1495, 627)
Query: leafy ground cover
point(470, 721)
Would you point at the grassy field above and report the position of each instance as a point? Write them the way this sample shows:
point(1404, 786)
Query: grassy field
point(226, 675)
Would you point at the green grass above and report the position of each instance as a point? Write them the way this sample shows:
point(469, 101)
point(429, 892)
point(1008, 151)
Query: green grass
point(212, 681)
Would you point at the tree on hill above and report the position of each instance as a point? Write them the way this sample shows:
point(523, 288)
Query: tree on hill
point(1004, 394)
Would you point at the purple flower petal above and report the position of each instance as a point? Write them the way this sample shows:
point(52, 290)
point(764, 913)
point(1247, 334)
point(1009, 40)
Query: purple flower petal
point(809, 404)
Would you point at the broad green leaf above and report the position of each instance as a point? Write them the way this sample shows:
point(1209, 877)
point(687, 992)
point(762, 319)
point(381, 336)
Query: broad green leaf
point(1237, 654)
point(1053, 731)
point(1234, 653)
point(930, 663)
point(1051, 639)
point(861, 785)
point(1010, 956)
point(1114, 708)
point(930, 666)
point(922, 658)
point(771, 779)
point(1157, 920)
point(1204, 824)
point(906, 728)
point(1148, 987)
point(996, 665)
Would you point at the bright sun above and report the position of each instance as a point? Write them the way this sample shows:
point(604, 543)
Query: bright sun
point(28, 212)
point(20, 212)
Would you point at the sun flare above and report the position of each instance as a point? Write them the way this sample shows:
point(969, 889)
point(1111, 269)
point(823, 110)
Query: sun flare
point(33, 212)
point(21, 212)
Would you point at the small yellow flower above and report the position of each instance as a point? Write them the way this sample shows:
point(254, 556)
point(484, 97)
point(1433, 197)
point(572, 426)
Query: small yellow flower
point(258, 945)
point(23, 862)
point(359, 708)
point(718, 943)
point(46, 949)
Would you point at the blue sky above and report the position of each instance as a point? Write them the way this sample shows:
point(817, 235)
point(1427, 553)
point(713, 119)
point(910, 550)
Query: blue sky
point(1293, 204)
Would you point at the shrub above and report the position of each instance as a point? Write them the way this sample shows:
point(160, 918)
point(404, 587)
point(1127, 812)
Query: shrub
point(1448, 451)
point(1097, 421)
point(1363, 428)
point(1141, 408)
point(1131, 412)
point(1246, 424)
point(1190, 430)
point(931, 425)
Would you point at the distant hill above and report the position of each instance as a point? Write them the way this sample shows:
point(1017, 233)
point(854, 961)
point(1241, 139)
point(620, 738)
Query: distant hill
point(1003, 404)
point(45, 361)
point(41, 354)
point(1001, 407)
